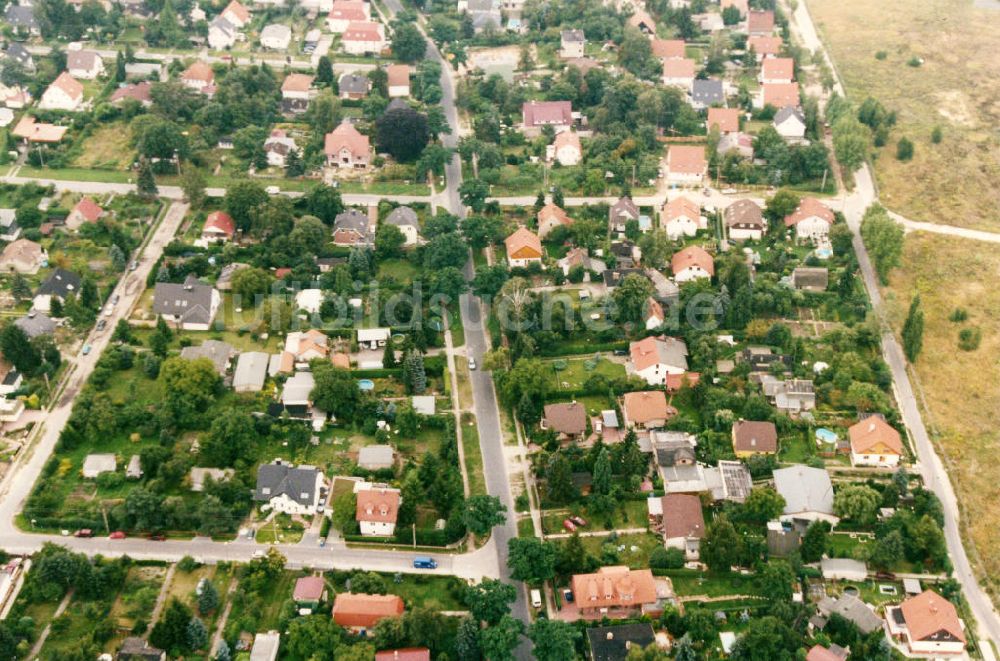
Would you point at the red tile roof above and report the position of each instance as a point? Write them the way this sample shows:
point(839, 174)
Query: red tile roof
point(781, 95)
point(346, 136)
point(199, 71)
point(676, 68)
point(809, 207)
point(540, 113)
point(753, 436)
point(365, 610)
point(686, 159)
point(874, 433)
point(405, 654)
point(614, 587)
point(297, 82)
point(35, 131)
point(681, 207)
point(682, 516)
point(399, 75)
point(764, 45)
point(377, 506)
point(68, 84)
point(929, 613)
point(727, 119)
point(778, 68)
point(668, 48)
point(89, 209)
point(692, 256)
point(309, 588)
point(362, 31)
point(760, 21)
point(138, 91)
point(523, 244)
point(237, 10)
point(645, 406)
point(220, 221)
point(348, 10)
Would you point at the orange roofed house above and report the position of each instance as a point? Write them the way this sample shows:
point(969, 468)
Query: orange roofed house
point(361, 612)
point(85, 211)
point(536, 114)
point(376, 511)
point(692, 263)
point(550, 217)
point(346, 147)
point(668, 49)
point(681, 217)
point(727, 119)
point(65, 93)
point(523, 248)
point(616, 591)
point(219, 226)
point(874, 442)
point(398, 80)
point(33, 131)
point(686, 164)
point(777, 70)
point(779, 95)
point(811, 219)
point(928, 625)
point(404, 654)
point(647, 409)
point(363, 37)
point(765, 46)
point(345, 12)
point(199, 77)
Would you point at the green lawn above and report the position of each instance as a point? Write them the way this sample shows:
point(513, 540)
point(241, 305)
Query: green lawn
point(629, 514)
point(689, 582)
point(578, 370)
point(432, 592)
point(636, 551)
point(473, 455)
point(796, 448)
point(400, 270)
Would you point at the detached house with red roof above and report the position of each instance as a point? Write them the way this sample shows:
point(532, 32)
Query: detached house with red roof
point(681, 521)
point(550, 217)
point(927, 625)
point(376, 511)
point(686, 164)
point(615, 591)
point(692, 263)
point(65, 93)
point(653, 358)
point(363, 37)
point(404, 654)
point(398, 80)
point(727, 120)
point(667, 49)
point(346, 147)
point(777, 70)
point(778, 95)
point(219, 226)
point(137, 92)
point(760, 23)
point(566, 148)
point(85, 211)
point(296, 92)
point(361, 612)
point(681, 217)
point(523, 248)
point(811, 219)
point(345, 12)
point(646, 409)
point(199, 77)
point(236, 14)
point(678, 73)
point(536, 114)
point(874, 442)
point(765, 46)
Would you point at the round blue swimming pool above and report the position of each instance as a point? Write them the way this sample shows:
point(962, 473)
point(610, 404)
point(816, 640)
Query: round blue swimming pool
point(366, 384)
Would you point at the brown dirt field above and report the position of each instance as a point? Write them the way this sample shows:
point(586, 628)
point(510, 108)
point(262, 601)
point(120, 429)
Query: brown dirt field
point(956, 88)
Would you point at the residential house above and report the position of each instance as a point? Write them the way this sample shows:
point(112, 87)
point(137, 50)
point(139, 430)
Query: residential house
point(139, 92)
point(59, 285)
point(306, 346)
point(84, 211)
point(832, 653)
point(22, 19)
point(536, 114)
point(811, 219)
point(199, 77)
point(345, 12)
point(16, 52)
point(398, 80)
point(741, 143)
point(572, 43)
point(762, 359)
point(566, 148)
point(219, 227)
point(668, 49)
point(65, 93)
point(85, 64)
point(143, 70)
point(745, 220)
point(642, 21)
point(251, 371)
point(523, 248)
point(406, 220)
point(296, 395)
point(265, 646)
point(296, 92)
point(726, 119)
point(485, 14)
point(707, 93)
point(363, 37)
point(309, 593)
point(646, 409)
point(874, 442)
point(35, 324)
point(354, 86)
point(678, 73)
point(134, 648)
point(654, 357)
point(681, 217)
point(790, 123)
point(95, 464)
point(851, 609)
point(778, 95)
point(686, 164)
point(404, 654)
point(219, 353)
point(568, 420)
point(236, 14)
point(765, 46)
point(278, 146)
point(692, 263)
point(361, 612)
point(9, 229)
point(276, 36)
point(614, 643)
point(580, 257)
point(777, 70)
point(550, 217)
point(614, 591)
point(222, 33)
point(376, 511)
point(760, 23)
point(32, 131)
point(345, 147)
point(621, 212)
point(190, 306)
point(22, 256)
point(352, 228)
point(681, 521)
point(789, 396)
point(808, 494)
point(927, 625)
point(290, 490)
point(376, 457)
point(751, 437)
point(811, 278)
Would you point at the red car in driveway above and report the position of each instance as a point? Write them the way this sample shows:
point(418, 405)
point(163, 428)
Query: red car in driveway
point(578, 520)
point(118, 534)
point(569, 525)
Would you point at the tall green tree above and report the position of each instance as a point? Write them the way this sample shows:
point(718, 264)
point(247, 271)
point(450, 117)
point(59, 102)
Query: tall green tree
point(498, 641)
point(483, 512)
point(146, 183)
point(531, 559)
point(883, 237)
point(408, 44)
point(490, 600)
point(554, 640)
point(722, 546)
point(602, 474)
point(913, 330)
point(193, 185)
point(18, 349)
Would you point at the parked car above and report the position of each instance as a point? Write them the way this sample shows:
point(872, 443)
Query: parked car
point(424, 562)
point(84, 532)
point(621, 352)
point(86, 349)
point(578, 520)
point(115, 299)
point(102, 324)
point(118, 534)
point(159, 537)
point(134, 265)
point(568, 596)
point(569, 525)
point(472, 363)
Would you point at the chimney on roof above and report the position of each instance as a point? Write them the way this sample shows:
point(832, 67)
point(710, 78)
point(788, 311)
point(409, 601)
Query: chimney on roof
point(871, 426)
point(610, 635)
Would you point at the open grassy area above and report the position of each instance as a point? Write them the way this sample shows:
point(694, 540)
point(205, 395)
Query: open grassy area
point(578, 370)
point(473, 455)
point(691, 582)
point(955, 87)
point(635, 553)
point(432, 592)
point(962, 400)
point(629, 514)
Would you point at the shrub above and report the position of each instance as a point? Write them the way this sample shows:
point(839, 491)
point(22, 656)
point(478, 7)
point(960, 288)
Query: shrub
point(936, 135)
point(969, 339)
point(664, 558)
point(958, 314)
point(915, 61)
point(881, 55)
point(187, 564)
point(904, 149)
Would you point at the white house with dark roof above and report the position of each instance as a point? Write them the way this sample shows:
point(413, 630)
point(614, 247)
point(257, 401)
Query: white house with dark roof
point(190, 306)
point(290, 490)
point(406, 220)
point(572, 43)
point(85, 64)
point(790, 123)
point(808, 494)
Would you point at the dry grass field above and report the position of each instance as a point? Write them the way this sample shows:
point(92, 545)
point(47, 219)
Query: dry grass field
point(960, 386)
point(957, 87)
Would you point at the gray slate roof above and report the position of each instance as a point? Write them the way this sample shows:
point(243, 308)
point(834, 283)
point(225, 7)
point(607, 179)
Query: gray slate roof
point(805, 489)
point(36, 324)
point(20, 54)
point(191, 301)
point(352, 219)
point(223, 25)
point(277, 479)
point(20, 16)
point(351, 83)
point(707, 92)
point(402, 216)
point(217, 352)
point(59, 283)
point(375, 455)
point(786, 112)
point(251, 371)
point(853, 609)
